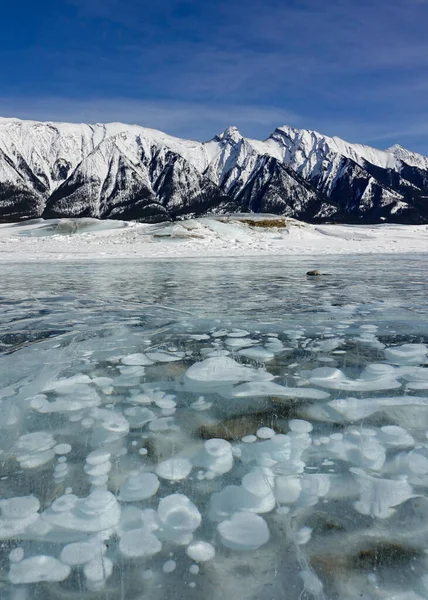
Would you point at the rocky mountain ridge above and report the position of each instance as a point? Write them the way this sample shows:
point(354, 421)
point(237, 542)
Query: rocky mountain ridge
point(131, 172)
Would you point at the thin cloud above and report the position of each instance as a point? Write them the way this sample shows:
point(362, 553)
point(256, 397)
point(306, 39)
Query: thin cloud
point(184, 119)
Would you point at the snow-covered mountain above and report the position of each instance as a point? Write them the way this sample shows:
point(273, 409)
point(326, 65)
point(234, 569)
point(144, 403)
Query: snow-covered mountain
point(131, 172)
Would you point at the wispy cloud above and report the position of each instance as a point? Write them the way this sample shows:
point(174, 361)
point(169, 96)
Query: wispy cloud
point(183, 119)
point(202, 121)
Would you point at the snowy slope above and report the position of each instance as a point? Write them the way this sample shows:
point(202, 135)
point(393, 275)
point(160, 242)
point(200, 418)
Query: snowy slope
point(131, 172)
point(89, 239)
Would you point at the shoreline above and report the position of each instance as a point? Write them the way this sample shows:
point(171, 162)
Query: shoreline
point(74, 240)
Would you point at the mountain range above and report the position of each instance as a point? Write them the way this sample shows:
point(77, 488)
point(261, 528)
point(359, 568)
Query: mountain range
point(135, 173)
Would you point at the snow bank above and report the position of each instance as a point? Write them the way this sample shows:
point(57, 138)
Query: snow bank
point(241, 235)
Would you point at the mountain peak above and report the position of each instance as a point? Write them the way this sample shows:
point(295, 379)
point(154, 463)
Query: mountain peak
point(230, 134)
point(395, 148)
point(407, 156)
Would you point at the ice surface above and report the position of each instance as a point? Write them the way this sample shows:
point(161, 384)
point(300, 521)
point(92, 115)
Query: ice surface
point(143, 448)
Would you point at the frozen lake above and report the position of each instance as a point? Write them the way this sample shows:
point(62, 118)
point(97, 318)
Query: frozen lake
point(217, 429)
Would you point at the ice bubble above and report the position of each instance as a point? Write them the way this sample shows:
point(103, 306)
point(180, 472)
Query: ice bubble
point(139, 486)
point(359, 447)
point(354, 409)
point(201, 404)
point(137, 416)
point(314, 486)
point(98, 511)
point(98, 457)
point(163, 424)
point(62, 448)
point(300, 426)
point(243, 531)
point(275, 345)
point(98, 481)
point(16, 555)
point(214, 353)
point(416, 374)
point(259, 481)
point(220, 333)
point(217, 447)
point(268, 453)
point(417, 385)
point(109, 426)
point(373, 378)
point(79, 553)
point(98, 470)
point(20, 507)
point(257, 353)
point(374, 371)
point(140, 360)
point(236, 343)
point(130, 518)
point(238, 333)
point(165, 401)
point(137, 398)
point(407, 354)
point(193, 569)
point(287, 489)
point(69, 398)
point(178, 516)
point(174, 469)
point(137, 543)
point(61, 470)
point(412, 465)
point(249, 439)
point(143, 451)
point(102, 382)
point(394, 436)
point(38, 568)
point(378, 497)
point(169, 566)
point(149, 519)
point(147, 574)
point(200, 551)
point(97, 571)
point(64, 503)
point(303, 536)
point(216, 457)
point(68, 382)
point(268, 388)
point(129, 373)
point(34, 449)
point(222, 370)
point(265, 433)
point(234, 498)
point(16, 514)
point(165, 357)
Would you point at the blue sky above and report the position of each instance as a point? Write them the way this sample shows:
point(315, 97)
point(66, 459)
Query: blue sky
point(353, 68)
